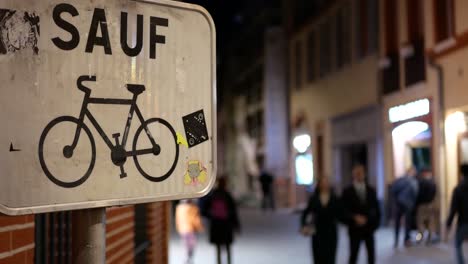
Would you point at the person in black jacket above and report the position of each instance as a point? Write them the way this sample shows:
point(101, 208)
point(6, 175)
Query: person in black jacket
point(405, 192)
point(221, 210)
point(361, 213)
point(459, 207)
point(323, 207)
point(266, 181)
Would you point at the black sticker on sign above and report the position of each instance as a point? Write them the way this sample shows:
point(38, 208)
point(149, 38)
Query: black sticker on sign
point(18, 30)
point(195, 128)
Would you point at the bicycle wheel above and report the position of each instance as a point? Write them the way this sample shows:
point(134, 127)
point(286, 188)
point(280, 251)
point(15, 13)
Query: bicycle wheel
point(156, 167)
point(64, 165)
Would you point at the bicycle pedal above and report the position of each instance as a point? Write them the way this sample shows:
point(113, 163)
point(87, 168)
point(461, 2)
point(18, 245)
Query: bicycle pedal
point(123, 175)
point(116, 135)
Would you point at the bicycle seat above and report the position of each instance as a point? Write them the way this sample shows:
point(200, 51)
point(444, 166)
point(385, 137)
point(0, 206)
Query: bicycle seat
point(136, 88)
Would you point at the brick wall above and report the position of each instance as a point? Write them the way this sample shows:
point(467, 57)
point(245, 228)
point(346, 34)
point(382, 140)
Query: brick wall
point(17, 236)
point(16, 239)
point(158, 231)
point(119, 235)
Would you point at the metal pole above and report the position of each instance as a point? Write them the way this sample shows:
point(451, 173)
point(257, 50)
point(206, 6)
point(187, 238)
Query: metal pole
point(89, 236)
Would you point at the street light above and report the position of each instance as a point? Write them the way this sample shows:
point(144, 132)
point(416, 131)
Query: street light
point(301, 143)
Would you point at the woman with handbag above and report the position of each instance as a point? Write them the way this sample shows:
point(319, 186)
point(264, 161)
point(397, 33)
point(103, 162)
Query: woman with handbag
point(323, 209)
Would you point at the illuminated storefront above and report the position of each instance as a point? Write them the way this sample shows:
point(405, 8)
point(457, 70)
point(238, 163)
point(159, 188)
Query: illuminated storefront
point(412, 143)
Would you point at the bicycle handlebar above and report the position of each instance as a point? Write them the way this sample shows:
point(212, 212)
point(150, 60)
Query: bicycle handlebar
point(85, 78)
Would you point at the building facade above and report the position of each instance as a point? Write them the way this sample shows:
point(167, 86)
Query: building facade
point(424, 97)
point(254, 114)
point(334, 99)
point(447, 48)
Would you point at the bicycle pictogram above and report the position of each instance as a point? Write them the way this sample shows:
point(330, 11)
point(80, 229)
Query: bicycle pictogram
point(65, 149)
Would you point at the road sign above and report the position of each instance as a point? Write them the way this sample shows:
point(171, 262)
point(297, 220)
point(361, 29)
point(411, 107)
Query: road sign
point(105, 103)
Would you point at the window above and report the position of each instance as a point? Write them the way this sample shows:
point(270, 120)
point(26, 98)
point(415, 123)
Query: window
point(304, 169)
point(367, 27)
point(415, 22)
point(311, 56)
point(373, 25)
point(415, 64)
point(443, 18)
point(391, 36)
point(360, 28)
point(343, 36)
point(298, 65)
point(325, 48)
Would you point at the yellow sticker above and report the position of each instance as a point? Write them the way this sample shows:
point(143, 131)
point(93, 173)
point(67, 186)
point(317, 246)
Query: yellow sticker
point(195, 173)
point(181, 140)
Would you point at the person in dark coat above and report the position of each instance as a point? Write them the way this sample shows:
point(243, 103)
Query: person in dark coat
point(324, 209)
point(266, 181)
point(405, 192)
point(361, 213)
point(459, 206)
point(221, 211)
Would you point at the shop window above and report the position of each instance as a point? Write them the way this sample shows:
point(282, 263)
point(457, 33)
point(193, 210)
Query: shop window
point(304, 169)
point(443, 19)
point(303, 162)
point(311, 56)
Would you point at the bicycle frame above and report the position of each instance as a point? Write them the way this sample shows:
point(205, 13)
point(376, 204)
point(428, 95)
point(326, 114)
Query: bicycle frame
point(84, 112)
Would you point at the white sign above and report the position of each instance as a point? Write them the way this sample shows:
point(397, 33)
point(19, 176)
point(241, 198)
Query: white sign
point(105, 103)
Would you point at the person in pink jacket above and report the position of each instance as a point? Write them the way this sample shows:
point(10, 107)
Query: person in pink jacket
point(188, 224)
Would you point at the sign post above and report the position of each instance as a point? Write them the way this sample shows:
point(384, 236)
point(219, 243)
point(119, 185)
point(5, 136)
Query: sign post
point(104, 103)
point(89, 236)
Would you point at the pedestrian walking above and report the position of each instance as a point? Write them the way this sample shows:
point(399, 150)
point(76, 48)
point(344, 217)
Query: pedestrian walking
point(221, 211)
point(323, 207)
point(459, 207)
point(266, 181)
point(188, 224)
point(425, 206)
point(361, 213)
point(405, 192)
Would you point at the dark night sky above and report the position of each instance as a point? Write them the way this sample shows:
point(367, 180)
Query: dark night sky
point(231, 16)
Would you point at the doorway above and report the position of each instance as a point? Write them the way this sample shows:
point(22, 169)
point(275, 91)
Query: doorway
point(351, 155)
